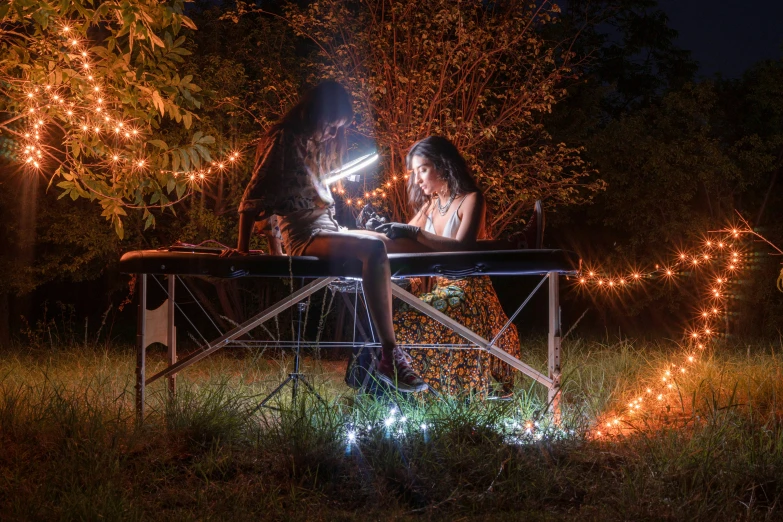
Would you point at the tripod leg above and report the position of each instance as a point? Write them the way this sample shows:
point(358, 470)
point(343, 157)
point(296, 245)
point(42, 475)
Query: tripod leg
point(272, 393)
point(312, 390)
point(300, 308)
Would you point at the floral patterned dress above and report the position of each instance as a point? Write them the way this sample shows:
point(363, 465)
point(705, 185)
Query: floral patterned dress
point(472, 302)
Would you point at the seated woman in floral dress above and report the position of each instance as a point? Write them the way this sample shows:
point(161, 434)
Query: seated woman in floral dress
point(450, 215)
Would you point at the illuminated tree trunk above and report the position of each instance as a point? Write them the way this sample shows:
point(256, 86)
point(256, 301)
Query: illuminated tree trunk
point(26, 211)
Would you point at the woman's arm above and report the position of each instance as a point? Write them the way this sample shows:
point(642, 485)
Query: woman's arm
point(267, 227)
point(270, 227)
point(420, 219)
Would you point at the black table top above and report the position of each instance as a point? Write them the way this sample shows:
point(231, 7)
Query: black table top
point(206, 262)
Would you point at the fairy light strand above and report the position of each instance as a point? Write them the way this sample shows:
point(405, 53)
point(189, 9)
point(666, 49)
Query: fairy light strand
point(722, 255)
point(94, 119)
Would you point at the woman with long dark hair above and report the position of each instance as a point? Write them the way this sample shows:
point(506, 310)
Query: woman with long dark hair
point(288, 194)
point(449, 214)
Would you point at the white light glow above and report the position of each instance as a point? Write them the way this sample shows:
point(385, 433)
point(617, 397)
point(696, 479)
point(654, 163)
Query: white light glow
point(351, 167)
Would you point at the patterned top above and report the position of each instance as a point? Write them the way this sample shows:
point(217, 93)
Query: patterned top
point(282, 183)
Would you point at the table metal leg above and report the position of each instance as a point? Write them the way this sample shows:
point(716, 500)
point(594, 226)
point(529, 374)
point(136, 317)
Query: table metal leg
point(141, 347)
point(554, 342)
point(171, 336)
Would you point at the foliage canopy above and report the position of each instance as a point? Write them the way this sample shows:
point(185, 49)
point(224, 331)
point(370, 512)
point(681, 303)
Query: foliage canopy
point(90, 89)
point(479, 73)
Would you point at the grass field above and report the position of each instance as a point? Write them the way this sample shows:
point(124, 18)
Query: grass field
point(711, 449)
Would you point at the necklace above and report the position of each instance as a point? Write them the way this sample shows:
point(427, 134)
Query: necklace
point(445, 208)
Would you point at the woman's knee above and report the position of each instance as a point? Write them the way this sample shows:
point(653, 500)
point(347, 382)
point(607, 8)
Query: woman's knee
point(372, 249)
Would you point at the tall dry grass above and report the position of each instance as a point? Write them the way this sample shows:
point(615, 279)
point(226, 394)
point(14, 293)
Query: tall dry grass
point(71, 448)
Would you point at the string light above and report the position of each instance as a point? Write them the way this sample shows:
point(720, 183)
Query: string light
point(697, 335)
point(90, 117)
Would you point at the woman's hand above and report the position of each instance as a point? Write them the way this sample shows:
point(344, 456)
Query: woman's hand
point(398, 230)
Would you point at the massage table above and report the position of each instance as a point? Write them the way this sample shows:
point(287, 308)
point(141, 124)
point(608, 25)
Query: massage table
point(158, 325)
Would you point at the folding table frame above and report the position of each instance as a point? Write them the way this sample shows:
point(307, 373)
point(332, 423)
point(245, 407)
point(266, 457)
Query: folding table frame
point(158, 326)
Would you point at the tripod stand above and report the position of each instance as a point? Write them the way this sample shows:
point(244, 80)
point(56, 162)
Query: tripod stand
point(296, 376)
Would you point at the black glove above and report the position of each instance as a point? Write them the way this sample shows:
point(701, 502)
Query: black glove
point(398, 230)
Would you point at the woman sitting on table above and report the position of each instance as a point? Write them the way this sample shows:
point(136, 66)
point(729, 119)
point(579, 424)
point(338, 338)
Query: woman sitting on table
point(450, 215)
point(288, 194)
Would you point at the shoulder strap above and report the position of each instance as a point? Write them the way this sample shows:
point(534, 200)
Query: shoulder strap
point(461, 202)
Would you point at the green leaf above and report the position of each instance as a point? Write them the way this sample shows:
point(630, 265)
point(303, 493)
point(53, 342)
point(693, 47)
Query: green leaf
point(194, 158)
point(175, 161)
point(187, 22)
point(156, 40)
point(157, 101)
point(118, 228)
point(185, 159)
point(159, 143)
point(203, 151)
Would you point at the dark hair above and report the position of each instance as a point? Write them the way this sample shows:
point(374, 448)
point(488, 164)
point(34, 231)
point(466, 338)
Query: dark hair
point(328, 103)
point(448, 163)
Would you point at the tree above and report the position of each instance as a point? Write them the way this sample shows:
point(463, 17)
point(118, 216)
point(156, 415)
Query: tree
point(479, 73)
point(90, 92)
point(629, 61)
point(670, 176)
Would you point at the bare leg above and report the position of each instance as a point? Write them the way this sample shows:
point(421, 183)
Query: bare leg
point(410, 246)
point(394, 246)
point(376, 274)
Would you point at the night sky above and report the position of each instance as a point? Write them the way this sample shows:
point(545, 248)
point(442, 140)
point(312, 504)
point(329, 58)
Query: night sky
point(727, 36)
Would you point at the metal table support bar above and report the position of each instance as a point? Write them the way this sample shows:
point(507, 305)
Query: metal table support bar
point(470, 335)
point(173, 368)
point(551, 381)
